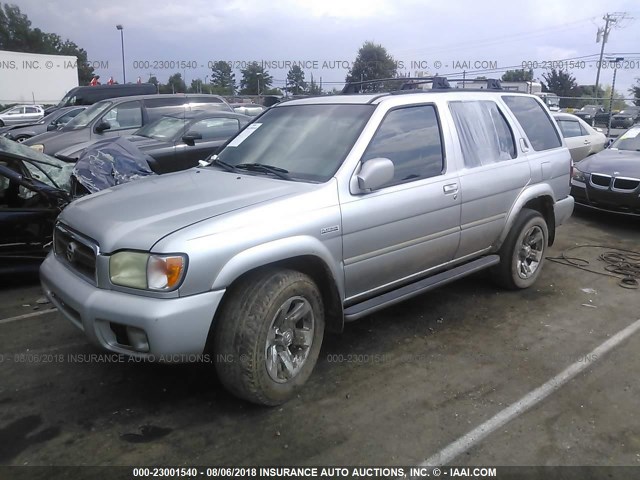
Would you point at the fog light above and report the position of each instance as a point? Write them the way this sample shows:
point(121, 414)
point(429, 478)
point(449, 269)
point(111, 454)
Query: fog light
point(138, 339)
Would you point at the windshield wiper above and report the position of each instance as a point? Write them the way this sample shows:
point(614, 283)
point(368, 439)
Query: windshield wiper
point(260, 167)
point(220, 163)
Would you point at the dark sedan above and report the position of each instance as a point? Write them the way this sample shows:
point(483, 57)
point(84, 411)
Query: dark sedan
point(610, 180)
point(626, 118)
point(33, 190)
point(53, 121)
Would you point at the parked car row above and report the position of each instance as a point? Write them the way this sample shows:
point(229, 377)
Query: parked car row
point(53, 121)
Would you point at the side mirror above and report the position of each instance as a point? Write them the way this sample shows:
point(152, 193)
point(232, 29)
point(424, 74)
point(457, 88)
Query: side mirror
point(52, 126)
point(608, 143)
point(375, 173)
point(102, 126)
point(190, 138)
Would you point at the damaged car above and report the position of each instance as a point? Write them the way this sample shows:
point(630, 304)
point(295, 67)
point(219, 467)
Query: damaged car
point(34, 188)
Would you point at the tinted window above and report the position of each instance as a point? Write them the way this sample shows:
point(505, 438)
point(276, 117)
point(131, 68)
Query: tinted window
point(68, 116)
point(535, 122)
point(570, 128)
point(124, 115)
point(485, 136)
point(410, 138)
point(216, 128)
point(31, 110)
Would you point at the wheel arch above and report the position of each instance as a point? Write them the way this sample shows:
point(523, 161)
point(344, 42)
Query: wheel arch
point(539, 198)
point(308, 256)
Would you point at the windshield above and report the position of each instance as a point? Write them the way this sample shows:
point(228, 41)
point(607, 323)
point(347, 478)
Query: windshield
point(44, 168)
point(164, 128)
point(85, 118)
point(630, 111)
point(629, 140)
point(65, 99)
point(589, 109)
point(309, 142)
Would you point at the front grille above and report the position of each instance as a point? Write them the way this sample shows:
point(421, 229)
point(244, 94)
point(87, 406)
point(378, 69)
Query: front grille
point(77, 252)
point(600, 180)
point(629, 184)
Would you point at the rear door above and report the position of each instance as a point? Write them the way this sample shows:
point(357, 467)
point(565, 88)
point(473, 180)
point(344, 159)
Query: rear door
point(494, 173)
point(577, 140)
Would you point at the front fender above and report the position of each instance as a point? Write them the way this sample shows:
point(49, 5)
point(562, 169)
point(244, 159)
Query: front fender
point(278, 250)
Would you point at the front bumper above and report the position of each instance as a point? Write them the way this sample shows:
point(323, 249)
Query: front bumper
point(624, 203)
point(176, 328)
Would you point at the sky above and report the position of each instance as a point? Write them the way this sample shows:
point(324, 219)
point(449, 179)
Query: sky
point(431, 36)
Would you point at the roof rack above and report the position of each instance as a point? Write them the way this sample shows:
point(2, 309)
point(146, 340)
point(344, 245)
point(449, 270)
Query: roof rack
point(413, 83)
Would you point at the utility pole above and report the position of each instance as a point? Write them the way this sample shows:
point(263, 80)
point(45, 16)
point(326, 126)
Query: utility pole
point(613, 90)
point(611, 20)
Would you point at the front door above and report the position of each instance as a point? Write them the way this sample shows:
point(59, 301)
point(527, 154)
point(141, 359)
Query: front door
point(410, 225)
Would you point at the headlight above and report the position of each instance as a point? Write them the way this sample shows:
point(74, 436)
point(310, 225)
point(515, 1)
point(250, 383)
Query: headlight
point(579, 176)
point(146, 271)
point(38, 147)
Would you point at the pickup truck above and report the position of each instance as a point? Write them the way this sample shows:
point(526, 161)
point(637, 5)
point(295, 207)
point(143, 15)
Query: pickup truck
point(319, 212)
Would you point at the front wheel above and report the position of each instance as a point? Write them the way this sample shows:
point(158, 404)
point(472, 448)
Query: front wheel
point(268, 335)
point(22, 139)
point(522, 254)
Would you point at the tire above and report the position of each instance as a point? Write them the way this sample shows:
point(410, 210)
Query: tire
point(260, 354)
point(1, 123)
point(22, 138)
point(520, 266)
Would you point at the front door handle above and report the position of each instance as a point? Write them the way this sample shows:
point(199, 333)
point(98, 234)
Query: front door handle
point(450, 188)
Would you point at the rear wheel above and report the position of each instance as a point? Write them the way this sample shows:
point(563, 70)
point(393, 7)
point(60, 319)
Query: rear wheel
point(522, 254)
point(268, 335)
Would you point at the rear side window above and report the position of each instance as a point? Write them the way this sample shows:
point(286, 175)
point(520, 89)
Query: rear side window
point(535, 122)
point(216, 128)
point(410, 138)
point(485, 136)
point(570, 128)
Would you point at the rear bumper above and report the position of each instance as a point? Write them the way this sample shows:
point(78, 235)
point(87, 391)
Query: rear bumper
point(563, 209)
point(176, 328)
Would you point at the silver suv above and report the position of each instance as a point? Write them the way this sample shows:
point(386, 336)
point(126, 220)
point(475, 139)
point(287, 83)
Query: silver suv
point(321, 211)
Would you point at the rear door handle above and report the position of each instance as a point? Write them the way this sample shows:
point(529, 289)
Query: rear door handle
point(450, 188)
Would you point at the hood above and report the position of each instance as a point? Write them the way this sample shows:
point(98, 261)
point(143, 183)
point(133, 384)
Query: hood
point(617, 163)
point(138, 214)
point(111, 162)
point(58, 140)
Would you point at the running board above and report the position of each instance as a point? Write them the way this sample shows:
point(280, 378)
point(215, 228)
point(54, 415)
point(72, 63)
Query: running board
point(401, 294)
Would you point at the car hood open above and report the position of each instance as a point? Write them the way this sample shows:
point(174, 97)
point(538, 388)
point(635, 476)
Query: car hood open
point(139, 214)
point(619, 163)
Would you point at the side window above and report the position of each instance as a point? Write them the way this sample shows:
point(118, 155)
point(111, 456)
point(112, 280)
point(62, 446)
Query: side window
point(31, 110)
point(583, 131)
point(159, 107)
point(64, 119)
point(124, 115)
point(535, 122)
point(410, 138)
point(216, 128)
point(485, 136)
point(570, 128)
point(16, 111)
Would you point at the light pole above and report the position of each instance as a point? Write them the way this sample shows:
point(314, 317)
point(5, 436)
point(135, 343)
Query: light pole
point(258, 75)
point(613, 89)
point(206, 79)
point(124, 73)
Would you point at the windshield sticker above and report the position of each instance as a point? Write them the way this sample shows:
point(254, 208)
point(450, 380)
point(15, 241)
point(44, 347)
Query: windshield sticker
point(246, 133)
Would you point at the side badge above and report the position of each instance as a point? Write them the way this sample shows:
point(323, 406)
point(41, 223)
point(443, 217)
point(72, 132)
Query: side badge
point(325, 230)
